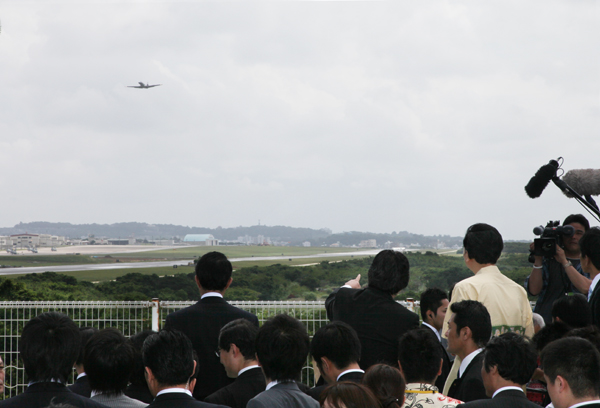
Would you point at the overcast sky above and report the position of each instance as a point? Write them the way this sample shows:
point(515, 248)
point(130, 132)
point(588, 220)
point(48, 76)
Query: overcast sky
point(412, 116)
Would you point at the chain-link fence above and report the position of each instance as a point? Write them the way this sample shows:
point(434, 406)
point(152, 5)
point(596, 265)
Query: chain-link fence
point(131, 318)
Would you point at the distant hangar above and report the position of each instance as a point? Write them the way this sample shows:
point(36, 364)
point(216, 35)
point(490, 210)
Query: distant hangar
point(201, 239)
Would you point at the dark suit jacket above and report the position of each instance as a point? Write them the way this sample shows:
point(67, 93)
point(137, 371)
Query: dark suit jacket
point(508, 398)
point(469, 387)
point(81, 387)
point(201, 323)
point(446, 366)
point(179, 400)
point(39, 395)
point(595, 305)
point(315, 392)
point(237, 394)
point(284, 395)
point(378, 320)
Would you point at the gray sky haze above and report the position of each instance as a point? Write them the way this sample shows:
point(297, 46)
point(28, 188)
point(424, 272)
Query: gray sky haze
point(368, 116)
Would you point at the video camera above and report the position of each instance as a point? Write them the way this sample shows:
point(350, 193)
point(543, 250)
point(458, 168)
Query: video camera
point(550, 236)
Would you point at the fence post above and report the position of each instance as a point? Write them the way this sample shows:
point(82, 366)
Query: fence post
point(155, 311)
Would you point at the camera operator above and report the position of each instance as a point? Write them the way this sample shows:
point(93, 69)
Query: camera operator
point(553, 278)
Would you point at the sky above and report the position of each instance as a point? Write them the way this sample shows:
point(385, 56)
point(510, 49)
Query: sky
point(380, 116)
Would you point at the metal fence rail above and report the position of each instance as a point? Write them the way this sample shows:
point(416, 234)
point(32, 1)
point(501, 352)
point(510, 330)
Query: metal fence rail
point(131, 318)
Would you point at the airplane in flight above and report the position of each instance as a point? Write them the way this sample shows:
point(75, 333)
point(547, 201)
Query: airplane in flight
point(143, 86)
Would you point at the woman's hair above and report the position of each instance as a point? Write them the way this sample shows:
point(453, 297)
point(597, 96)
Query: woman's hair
point(387, 384)
point(348, 394)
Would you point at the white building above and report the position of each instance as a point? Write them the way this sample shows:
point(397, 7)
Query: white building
point(201, 239)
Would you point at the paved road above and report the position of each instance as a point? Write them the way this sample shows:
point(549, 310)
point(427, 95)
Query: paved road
point(132, 265)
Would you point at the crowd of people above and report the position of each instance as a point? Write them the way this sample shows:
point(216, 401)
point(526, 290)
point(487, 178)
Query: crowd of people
point(479, 345)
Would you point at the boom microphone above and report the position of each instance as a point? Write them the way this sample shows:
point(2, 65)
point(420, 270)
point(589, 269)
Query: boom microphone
point(542, 177)
point(585, 182)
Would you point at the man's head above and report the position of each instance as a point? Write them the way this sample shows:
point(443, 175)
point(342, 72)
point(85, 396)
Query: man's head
point(108, 361)
point(469, 327)
point(86, 333)
point(236, 345)
point(581, 225)
point(434, 304)
point(213, 272)
point(137, 376)
point(483, 243)
point(573, 310)
point(572, 371)
point(335, 347)
point(420, 356)
point(169, 360)
point(282, 347)
point(508, 358)
point(590, 250)
point(389, 272)
point(49, 347)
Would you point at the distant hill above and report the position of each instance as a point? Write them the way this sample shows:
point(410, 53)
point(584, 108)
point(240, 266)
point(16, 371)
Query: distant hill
point(295, 236)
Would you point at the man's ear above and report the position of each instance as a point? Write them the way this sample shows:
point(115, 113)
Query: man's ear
point(466, 333)
point(400, 367)
point(561, 384)
point(441, 366)
point(197, 282)
point(228, 284)
point(236, 350)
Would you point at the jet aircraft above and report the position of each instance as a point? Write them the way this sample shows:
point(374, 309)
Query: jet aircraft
point(143, 86)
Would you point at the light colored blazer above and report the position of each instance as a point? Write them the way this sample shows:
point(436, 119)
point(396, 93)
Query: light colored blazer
point(119, 401)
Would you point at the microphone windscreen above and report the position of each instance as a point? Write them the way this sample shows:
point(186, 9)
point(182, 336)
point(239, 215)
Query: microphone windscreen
point(542, 177)
point(584, 181)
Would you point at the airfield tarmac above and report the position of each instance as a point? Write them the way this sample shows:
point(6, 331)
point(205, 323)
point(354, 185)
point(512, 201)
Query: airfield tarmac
point(98, 249)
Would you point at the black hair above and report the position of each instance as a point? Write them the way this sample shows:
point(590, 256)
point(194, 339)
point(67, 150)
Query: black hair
point(389, 271)
point(387, 384)
point(86, 333)
point(549, 333)
point(590, 246)
point(590, 333)
point(213, 271)
point(170, 356)
point(338, 342)
point(573, 310)
point(242, 333)
point(49, 347)
point(349, 394)
point(431, 299)
point(474, 315)
point(483, 243)
point(420, 355)
point(579, 218)
point(577, 361)
point(137, 376)
point(108, 361)
point(282, 347)
point(513, 355)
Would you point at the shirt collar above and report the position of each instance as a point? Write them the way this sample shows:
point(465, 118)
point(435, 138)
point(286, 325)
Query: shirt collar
point(585, 403)
point(593, 285)
point(211, 294)
point(354, 370)
point(243, 370)
point(437, 333)
point(81, 375)
point(465, 363)
point(271, 385)
point(175, 390)
point(510, 387)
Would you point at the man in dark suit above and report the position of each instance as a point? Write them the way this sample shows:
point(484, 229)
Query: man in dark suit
point(572, 371)
point(335, 348)
point(433, 305)
point(238, 356)
point(169, 364)
point(203, 321)
point(590, 263)
point(82, 383)
point(509, 361)
point(48, 347)
point(377, 318)
point(281, 350)
point(469, 329)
